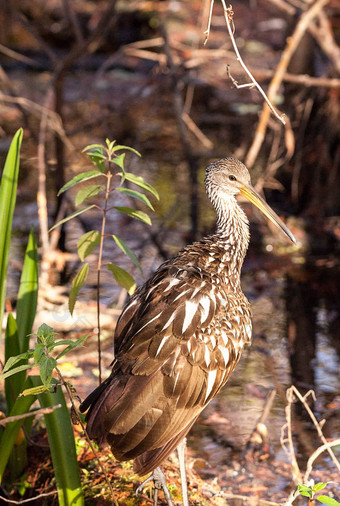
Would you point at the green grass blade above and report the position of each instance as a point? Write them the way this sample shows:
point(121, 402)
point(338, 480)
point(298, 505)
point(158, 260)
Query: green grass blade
point(8, 193)
point(28, 293)
point(62, 446)
point(12, 385)
point(11, 431)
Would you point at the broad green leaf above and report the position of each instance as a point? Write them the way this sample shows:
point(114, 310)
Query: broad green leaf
point(98, 159)
point(139, 181)
point(324, 499)
point(305, 491)
point(13, 386)
point(17, 358)
point(125, 248)
point(8, 195)
point(123, 278)
point(62, 446)
point(71, 216)
point(38, 352)
point(319, 486)
point(73, 345)
point(87, 192)
point(45, 334)
point(136, 195)
point(84, 176)
point(120, 146)
point(15, 371)
point(93, 146)
point(119, 160)
point(87, 242)
point(77, 283)
point(28, 293)
point(10, 432)
point(139, 215)
point(46, 366)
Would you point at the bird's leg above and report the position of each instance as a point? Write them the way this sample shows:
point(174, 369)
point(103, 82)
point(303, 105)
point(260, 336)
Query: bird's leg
point(181, 457)
point(159, 480)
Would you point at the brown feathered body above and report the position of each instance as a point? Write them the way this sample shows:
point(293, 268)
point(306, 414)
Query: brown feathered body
point(177, 342)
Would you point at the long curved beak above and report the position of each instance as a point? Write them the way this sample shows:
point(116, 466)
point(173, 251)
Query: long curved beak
point(251, 194)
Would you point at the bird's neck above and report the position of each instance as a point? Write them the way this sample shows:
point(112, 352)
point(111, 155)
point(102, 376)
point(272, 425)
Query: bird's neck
point(233, 236)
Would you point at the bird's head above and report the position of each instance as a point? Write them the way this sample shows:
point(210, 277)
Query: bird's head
point(229, 177)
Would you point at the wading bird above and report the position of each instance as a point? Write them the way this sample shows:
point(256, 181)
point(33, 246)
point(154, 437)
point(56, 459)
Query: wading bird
point(181, 335)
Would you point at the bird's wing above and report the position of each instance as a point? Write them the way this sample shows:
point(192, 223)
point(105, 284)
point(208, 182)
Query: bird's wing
point(172, 357)
point(170, 308)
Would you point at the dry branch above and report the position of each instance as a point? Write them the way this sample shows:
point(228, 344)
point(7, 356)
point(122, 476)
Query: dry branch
point(292, 43)
point(36, 412)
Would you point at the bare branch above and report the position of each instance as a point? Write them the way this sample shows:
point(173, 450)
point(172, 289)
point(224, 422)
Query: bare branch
point(292, 43)
point(36, 412)
point(31, 499)
point(228, 15)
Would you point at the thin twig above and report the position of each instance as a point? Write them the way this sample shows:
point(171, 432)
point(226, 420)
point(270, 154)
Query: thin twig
point(292, 44)
point(228, 13)
point(302, 399)
point(289, 438)
point(36, 412)
point(99, 266)
point(23, 501)
point(326, 447)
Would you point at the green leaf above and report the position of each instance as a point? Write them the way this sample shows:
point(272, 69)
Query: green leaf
point(319, 486)
point(77, 283)
point(93, 146)
point(139, 181)
point(15, 371)
point(10, 433)
point(46, 366)
point(87, 242)
point(120, 146)
point(14, 360)
point(28, 293)
point(139, 215)
point(305, 491)
point(136, 195)
point(62, 446)
point(87, 192)
point(35, 390)
point(125, 248)
point(73, 345)
point(8, 195)
point(38, 352)
point(45, 334)
point(84, 176)
point(71, 216)
point(98, 158)
point(12, 348)
point(119, 160)
point(324, 499)
point(123, 278)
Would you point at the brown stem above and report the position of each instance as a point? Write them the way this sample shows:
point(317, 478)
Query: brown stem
point(100, 256)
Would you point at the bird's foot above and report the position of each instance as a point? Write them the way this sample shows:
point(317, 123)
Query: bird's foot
point(159, 480)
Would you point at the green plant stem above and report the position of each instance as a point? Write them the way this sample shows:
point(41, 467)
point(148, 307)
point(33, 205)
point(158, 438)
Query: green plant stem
point(100, 256)
point(79, 420)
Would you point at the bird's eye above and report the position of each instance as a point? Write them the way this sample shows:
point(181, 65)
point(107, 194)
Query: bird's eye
point(232, 178)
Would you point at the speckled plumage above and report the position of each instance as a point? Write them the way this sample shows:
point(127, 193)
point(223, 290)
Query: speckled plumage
point(179, 338)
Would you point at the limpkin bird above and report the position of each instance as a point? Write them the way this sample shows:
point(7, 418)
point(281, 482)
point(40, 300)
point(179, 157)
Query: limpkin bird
point(181, 335)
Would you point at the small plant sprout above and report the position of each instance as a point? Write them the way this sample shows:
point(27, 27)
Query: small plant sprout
point(110, 174)
point(310, 492)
